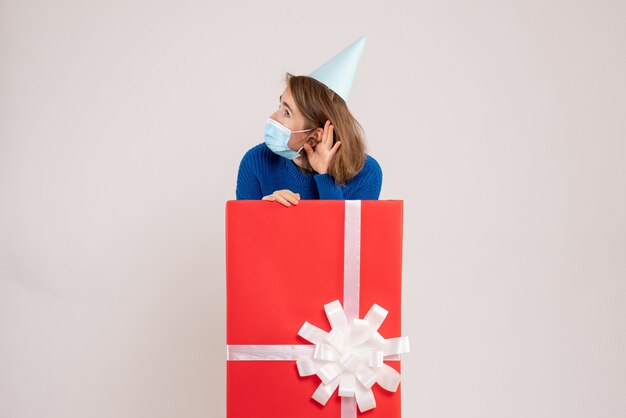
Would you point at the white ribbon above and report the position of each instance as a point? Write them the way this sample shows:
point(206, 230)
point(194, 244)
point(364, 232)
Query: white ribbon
point(352, 258)
point(350, 356)
point(269, 352)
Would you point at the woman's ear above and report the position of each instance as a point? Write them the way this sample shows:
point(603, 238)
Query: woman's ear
point(315, 137)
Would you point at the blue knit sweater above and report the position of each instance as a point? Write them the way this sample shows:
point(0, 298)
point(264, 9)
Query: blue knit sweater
point(262, 172)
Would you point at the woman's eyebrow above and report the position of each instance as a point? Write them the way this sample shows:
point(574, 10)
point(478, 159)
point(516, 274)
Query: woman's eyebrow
point(280, 99)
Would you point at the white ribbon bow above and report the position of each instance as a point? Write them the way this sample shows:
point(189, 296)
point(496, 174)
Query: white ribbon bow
point(351, 356)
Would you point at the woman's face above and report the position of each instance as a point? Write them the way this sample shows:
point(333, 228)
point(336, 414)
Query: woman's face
point(288, 115)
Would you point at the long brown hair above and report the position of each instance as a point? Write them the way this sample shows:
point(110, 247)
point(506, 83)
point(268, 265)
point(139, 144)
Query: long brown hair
point(318, 103)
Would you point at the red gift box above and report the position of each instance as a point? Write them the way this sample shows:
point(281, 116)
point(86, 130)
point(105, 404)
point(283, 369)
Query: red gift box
point(283, 264)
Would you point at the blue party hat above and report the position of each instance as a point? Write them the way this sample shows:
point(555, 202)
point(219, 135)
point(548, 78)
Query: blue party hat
point(338, 73)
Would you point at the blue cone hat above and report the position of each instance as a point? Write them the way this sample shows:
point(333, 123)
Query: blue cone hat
point(338, 73)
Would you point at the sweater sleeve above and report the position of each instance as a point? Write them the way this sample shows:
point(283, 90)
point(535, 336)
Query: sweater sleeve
point(365, 186)
point(368, 185)
point(248, 185)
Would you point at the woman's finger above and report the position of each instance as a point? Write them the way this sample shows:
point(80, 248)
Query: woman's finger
point(282, 200)
point(269, 197)
point(309, 150)
point(326, 134)
point(288, 193)
point(331, 130)
point(334, 149)
point(290, 196)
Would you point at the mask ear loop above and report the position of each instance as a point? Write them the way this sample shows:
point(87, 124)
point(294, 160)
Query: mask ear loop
point(304, 130)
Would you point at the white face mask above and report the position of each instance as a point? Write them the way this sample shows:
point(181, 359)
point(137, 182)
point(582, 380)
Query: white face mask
point(277, 139)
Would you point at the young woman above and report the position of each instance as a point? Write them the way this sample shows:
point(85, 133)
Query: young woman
point(313, 149)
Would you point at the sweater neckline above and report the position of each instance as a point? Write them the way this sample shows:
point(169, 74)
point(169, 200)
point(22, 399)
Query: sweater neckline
point(295, 171)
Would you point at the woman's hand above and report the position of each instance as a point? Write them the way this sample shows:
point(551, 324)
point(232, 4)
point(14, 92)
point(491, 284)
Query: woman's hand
point(284, 197)
point(324, 151)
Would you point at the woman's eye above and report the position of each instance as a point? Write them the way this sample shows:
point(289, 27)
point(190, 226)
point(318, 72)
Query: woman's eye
point(286, 111)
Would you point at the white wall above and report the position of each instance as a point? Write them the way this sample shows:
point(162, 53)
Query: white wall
point(501, 125)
